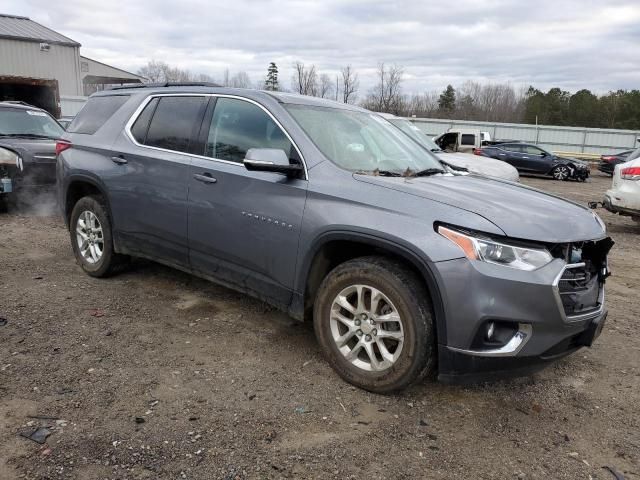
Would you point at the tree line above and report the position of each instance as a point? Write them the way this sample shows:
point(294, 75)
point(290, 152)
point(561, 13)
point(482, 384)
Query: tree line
point(490, 102)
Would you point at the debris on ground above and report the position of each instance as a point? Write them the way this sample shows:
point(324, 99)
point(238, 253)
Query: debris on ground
point(616, 474)
point(38, 435)
point(3, 321)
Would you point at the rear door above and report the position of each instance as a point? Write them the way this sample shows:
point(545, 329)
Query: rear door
point(244, 226)
point(514, 155)
point(468, 141)
point(149, 200)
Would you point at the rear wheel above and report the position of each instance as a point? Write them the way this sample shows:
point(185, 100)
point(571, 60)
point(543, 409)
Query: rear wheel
point(373, 321)
point(561, 172)
point(91, 238)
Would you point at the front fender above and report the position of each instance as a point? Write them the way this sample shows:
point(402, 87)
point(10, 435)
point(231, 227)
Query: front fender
point(396, 246)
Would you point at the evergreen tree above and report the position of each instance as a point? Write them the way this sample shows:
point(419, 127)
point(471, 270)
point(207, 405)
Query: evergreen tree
point(447, 100)
point(271, 83)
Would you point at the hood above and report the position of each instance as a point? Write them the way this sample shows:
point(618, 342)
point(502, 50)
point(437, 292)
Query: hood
point(571, 160)
point(481, 165)
point(520, 212)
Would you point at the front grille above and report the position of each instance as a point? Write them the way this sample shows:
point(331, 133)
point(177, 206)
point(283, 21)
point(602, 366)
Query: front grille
point(580, 286)
point(579, 289)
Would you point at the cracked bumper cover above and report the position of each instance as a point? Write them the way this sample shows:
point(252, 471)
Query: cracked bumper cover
point(529, 300)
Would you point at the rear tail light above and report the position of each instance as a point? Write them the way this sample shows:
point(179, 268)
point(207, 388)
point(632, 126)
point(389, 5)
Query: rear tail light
point(61, 146)
point(630, 173)
point(477, 151)
point(607, 158)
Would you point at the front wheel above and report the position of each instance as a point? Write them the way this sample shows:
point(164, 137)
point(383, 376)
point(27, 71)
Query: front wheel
point(372, 318)
point(91, 238)
point(561, 172)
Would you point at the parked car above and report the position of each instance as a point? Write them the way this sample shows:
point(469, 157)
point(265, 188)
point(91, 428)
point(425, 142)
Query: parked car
point(624, 196)
point(532, 159)
point(27, 149)
point(332, 214)
point(485, 166)
point(608, 162)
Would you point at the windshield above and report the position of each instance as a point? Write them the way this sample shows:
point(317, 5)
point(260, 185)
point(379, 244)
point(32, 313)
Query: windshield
point(361, 141)
point(418, 135)
point(17, 121)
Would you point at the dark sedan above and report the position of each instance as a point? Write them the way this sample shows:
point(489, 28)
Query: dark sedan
point(608, 162)
point(532, 159)
point(27, 149)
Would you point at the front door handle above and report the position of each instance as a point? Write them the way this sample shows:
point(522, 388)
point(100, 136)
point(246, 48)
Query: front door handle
point(120, 160)
point(204, 178)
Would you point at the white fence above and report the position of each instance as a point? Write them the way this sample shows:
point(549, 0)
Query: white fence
point(565, 139)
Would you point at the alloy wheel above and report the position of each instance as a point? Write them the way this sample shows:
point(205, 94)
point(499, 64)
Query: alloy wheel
point(561, 172)
point(90, 237)
point(367, 328)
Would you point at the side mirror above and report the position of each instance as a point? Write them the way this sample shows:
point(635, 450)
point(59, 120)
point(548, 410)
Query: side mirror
point(270, 160)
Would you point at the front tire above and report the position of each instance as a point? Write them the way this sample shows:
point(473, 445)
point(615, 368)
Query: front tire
point(373, 320)
point(91, 237)
point(561, 172)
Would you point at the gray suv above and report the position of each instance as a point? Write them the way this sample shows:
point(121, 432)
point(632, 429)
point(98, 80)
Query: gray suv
point(406, 267)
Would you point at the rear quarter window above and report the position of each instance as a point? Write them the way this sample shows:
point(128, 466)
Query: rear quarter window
point(95, 113)
point(468, 139)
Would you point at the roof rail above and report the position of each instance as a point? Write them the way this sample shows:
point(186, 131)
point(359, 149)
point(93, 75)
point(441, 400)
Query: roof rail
point(166, 84)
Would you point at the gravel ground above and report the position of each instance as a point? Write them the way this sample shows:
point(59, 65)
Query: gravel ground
point(154, 374)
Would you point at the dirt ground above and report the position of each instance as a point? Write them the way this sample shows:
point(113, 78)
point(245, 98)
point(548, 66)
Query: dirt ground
point(154, 374)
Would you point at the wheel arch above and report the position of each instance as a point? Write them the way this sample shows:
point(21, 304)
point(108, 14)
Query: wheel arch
point(335, 247)
point(79, 186)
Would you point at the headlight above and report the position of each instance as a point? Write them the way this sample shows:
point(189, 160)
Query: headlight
point(7, 157)
point(490, 251)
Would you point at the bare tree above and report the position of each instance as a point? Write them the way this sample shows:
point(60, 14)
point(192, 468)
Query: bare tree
point(386, 95)
point(157, 71)
point(305, 80)
point(350, 84)
point(240, 80)
point(325, 86)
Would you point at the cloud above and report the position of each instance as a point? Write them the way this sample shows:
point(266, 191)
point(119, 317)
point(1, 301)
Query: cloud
point(572, 44)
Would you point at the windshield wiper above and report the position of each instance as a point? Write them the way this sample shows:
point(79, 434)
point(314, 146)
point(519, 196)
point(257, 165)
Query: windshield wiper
point(26, 135)
point(428, 171)
point(454, 167)
point(379, 173)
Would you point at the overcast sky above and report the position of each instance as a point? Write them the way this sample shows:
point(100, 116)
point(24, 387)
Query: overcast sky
point(572, 44)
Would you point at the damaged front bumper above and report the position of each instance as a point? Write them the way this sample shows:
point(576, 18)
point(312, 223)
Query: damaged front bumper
point(514, 322)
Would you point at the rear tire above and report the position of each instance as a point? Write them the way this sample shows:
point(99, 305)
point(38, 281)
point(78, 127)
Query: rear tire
point(91, 238)
point(392, 322)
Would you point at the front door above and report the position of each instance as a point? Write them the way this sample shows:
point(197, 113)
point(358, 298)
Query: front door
point(244, 226)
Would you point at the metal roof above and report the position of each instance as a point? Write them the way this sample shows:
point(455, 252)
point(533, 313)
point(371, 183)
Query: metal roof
point(23, 28)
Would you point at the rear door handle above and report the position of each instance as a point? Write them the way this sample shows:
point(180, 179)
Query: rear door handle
point(204, 178)
point(120, 160)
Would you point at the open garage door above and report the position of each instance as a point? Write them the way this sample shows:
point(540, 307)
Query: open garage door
point(34, 91)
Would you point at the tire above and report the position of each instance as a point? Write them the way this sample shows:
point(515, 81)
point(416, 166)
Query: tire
point(107, 262)
point(401, 290)
point(561, 172)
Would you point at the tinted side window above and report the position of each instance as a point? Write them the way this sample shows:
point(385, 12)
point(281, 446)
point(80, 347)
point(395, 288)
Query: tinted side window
point(512, 148)
point(531, 150)
point(467, 139)
point(141, 125)
point(237, 126)
point(174, 121)
point(95, 113)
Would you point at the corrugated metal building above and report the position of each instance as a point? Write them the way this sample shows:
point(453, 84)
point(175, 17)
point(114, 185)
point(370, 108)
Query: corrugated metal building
point(554, 138)
point(43, 67)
